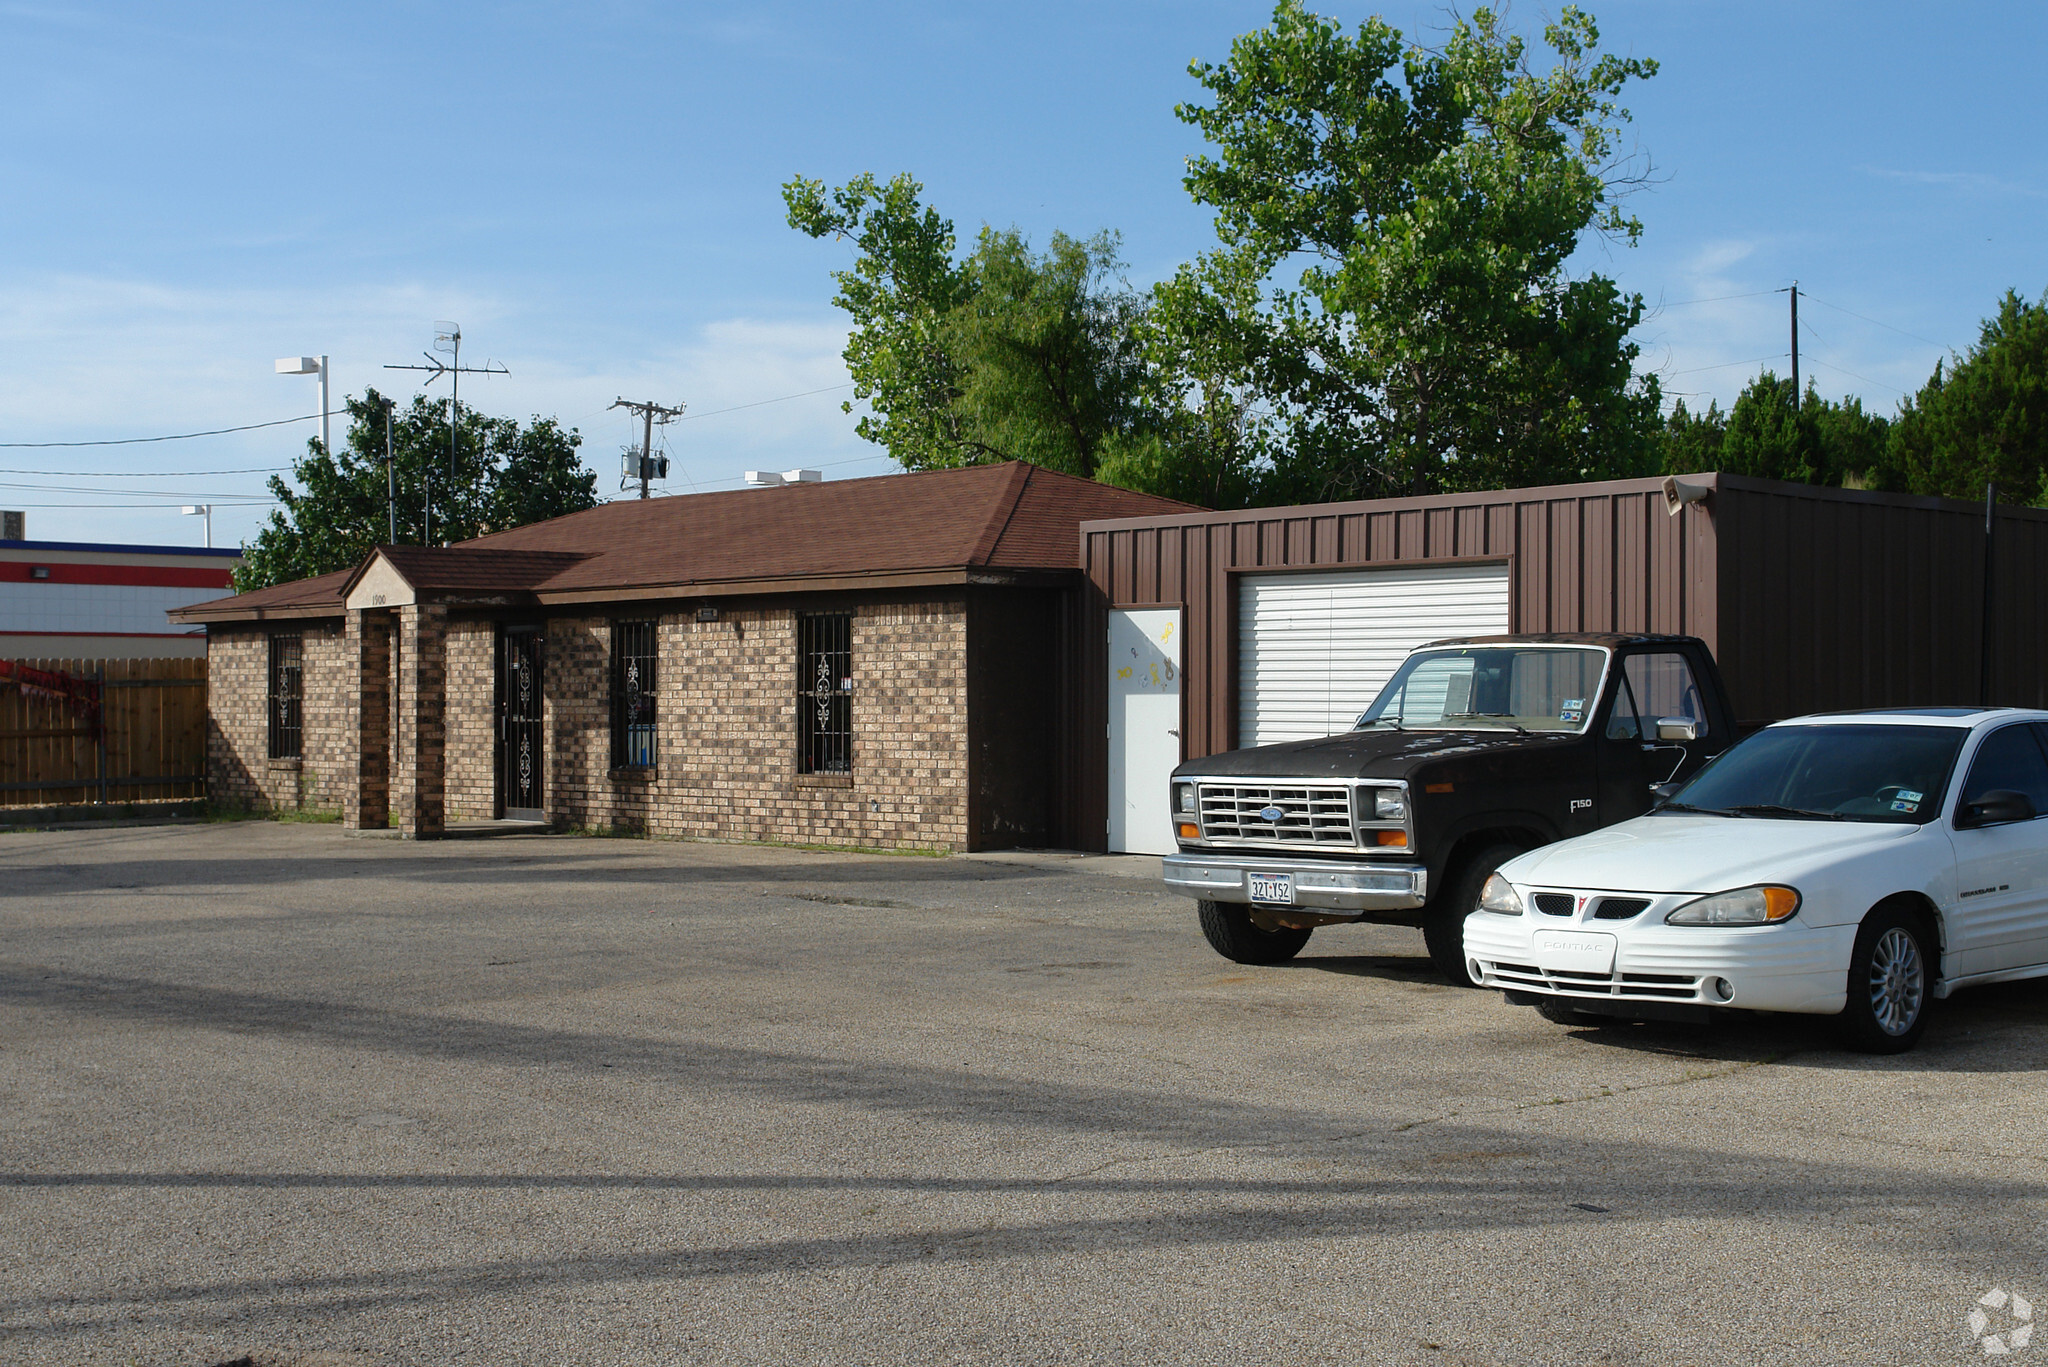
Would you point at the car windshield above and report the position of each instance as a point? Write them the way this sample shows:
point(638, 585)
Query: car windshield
point(1833, 773)
point(1506, 688)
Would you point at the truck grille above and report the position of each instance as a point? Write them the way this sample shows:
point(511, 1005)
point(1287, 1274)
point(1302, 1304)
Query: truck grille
point(1309, 815)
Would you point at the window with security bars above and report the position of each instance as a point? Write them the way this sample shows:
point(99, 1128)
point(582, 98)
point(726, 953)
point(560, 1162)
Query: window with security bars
point(633, 669)
point(287, 695)
point(824, 693)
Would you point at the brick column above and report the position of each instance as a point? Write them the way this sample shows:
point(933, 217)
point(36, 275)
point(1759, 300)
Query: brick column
point(367, 805)
point(420, 791)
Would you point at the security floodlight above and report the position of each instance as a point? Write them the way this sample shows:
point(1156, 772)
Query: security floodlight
point(1677, 494)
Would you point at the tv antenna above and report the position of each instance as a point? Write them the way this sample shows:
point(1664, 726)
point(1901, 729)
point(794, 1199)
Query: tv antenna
point(448, 342)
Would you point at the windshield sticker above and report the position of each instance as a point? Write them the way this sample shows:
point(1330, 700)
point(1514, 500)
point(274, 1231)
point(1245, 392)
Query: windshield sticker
point(1571, 709)
point(1908, 795)
point(1900, 804)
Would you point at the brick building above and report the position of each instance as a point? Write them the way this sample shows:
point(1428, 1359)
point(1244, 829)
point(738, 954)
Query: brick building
point(883, 662)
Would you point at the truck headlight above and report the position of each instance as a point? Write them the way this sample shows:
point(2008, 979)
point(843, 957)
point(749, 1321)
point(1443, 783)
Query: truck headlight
point(1500, 898)
point(1184, 797)
point(1758, 906)
point(1389, 804)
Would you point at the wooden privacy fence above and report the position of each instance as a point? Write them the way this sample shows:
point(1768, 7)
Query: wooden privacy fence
point(106, 731)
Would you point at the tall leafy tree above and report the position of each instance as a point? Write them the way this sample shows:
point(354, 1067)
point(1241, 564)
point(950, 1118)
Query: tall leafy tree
point(1390, 295)
point(1983, 416)
point(1818, 442)
point(334, 510)
point(1004, 353)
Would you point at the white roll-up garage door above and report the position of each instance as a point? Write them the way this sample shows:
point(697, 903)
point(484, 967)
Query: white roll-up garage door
point(1313, 649)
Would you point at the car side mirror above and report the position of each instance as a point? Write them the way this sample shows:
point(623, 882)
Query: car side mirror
point(1661, 793)
point(1677, 728)
point(1995, 808)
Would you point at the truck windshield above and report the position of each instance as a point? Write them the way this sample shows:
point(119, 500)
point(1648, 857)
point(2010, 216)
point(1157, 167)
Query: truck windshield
point(1506, 688)
point(1835, 773)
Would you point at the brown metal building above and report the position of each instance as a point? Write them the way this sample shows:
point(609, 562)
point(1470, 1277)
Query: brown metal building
point(1811, 598)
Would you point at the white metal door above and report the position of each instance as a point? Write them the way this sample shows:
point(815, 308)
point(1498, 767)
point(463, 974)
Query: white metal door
point(1313, 649)
point(1144, 727)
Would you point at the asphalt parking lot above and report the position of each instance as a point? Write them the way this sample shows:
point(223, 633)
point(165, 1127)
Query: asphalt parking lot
point(267, 1091)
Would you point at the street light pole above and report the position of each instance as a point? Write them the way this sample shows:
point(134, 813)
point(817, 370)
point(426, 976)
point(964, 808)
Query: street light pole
point(313, 365)
point(204, 510)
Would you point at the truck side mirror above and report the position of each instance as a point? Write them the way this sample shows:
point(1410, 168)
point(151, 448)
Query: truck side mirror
point(1995, 808)
point(1677, 728)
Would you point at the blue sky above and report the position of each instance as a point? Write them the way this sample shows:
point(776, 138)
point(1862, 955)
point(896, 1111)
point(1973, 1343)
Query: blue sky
point(592, 192)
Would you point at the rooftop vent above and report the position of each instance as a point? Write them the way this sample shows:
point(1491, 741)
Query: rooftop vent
point(768, 479)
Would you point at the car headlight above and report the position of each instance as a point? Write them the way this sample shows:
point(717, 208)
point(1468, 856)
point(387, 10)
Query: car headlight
point(1500, 898)
point(1758, 906)
point(1389, 804)
point(1184, 797)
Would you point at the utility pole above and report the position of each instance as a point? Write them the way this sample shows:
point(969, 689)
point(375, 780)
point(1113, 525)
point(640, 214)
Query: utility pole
point(390, 483)
point(449, 336)
point(651, 412)
point(1795, 346)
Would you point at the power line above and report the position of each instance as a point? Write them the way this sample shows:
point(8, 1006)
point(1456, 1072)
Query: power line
point(1715, 299)
point(135, 441)
point(153, 474)
point(1754, 360)
point(159, 507)
point(1854, 376)
point(1875, 323)
point(759, 402)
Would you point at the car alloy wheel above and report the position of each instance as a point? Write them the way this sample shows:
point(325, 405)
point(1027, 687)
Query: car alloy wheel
point(1898, 981)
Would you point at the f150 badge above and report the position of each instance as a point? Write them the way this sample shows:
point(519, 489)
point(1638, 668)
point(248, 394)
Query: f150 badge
point(1582, 804)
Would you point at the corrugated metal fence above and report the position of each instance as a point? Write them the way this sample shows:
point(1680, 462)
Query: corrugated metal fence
point(146, 743)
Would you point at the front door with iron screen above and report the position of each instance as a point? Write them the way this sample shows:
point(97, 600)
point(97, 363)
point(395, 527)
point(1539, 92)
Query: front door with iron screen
point(519, 725)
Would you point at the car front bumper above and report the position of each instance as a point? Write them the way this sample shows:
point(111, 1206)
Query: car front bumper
point(1323, 884)
point(1790, 967)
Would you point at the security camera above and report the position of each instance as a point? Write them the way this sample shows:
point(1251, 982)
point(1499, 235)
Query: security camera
point(1677, 494)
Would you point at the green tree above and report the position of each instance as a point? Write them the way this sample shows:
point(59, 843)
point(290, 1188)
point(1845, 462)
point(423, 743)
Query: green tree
point(507, 476)
point(1982, 417)
point(1822, 442)
point(1003, 354)
point(1425, 204)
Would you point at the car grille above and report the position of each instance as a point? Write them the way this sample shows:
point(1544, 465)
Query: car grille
point(1309, 814)
point(1555, 903)
point(1620, 908)
point(1645, 987)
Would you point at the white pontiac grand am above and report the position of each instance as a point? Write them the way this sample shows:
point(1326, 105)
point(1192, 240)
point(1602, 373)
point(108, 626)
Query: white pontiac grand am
point(1855, 865)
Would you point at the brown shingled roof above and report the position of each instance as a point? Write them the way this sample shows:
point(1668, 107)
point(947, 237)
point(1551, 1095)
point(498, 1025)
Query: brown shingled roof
point(983, 517)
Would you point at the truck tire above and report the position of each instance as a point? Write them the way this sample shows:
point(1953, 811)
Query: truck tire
point(1230, 932)
point(1443, 920)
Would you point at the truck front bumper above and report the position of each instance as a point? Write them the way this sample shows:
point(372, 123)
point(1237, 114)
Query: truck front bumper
point(1216, 876)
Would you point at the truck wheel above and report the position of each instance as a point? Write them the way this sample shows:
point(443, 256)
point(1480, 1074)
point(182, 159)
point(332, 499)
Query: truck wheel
point(1443, 920)
point(1231, 933)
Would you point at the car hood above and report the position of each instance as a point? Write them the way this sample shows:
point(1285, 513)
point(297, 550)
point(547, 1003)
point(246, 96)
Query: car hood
point(1697, 853)
point(1377, 753)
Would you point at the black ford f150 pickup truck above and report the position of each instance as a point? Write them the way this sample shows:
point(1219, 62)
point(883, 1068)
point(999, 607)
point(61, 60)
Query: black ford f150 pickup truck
point(1474, 751)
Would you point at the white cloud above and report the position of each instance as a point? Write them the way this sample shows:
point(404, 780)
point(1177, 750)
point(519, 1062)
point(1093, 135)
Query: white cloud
point(91, 358)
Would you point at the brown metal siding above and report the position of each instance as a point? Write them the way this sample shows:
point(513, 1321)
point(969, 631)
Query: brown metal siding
point(1592, 557)
point(1836, 599)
